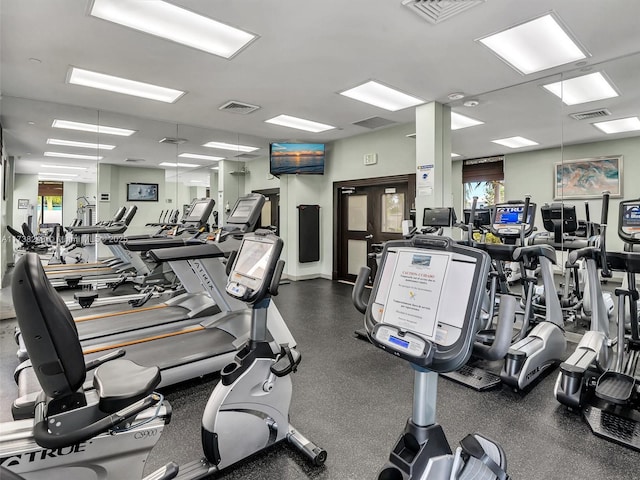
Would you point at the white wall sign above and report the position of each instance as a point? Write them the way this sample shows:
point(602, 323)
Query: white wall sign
point(425, 179)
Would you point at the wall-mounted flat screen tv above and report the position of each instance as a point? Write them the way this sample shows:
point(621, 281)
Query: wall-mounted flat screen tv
point(142, 192)
point(296, 158)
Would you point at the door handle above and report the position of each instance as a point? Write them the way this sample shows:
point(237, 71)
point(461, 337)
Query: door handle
point(368, 237)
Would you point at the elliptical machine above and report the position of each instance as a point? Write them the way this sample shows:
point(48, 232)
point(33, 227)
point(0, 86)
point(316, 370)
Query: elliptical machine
point(112, 427)
point(424, 308)
point(602, 377)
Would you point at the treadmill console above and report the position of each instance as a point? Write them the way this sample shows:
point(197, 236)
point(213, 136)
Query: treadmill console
point(508, 219)
point(629, 224)
point(245, 213)
point(254, 266)
point(425, 301)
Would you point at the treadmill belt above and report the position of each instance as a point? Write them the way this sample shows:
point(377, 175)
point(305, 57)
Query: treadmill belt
point(101, 328)
point(174, 353)
point(178, 350)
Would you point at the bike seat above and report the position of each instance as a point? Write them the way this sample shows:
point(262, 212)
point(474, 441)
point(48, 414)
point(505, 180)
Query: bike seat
point(120, 383)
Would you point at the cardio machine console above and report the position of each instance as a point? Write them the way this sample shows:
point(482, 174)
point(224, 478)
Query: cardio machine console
point(508, 220)
point(439, 217)
point(254, 266)
point(629, 225)
point(425, 301)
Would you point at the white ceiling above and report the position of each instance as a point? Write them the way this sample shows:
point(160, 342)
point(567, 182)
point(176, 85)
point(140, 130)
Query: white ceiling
point(306, 53)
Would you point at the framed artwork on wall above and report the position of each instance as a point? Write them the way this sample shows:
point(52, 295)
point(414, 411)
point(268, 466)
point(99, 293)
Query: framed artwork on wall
point(588, 177)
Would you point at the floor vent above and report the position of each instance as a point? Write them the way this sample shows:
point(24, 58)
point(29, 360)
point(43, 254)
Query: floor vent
point(374, 122)
point(173, 140)
point(603, 112)
point(436, 11)
point(238, 107)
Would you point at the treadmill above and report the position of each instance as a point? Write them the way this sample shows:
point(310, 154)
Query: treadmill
point(185, 349)
point(99, 275)
point(99, 332)
point(77, 243)
point(147, 277)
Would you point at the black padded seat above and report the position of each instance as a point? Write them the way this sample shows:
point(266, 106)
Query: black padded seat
point(48, 329)
point(120, 383)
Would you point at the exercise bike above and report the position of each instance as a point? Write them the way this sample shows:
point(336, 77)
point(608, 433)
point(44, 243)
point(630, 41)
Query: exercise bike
point(109, 430)
point(425, 308)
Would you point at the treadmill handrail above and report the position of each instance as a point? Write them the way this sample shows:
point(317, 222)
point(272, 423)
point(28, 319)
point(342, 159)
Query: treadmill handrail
point(206, 250)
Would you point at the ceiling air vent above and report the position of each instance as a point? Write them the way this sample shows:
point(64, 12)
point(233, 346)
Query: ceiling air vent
point(603, 112)
point(173, 140)
point(238, 107)
point(436, 11)
point(374, 122)
point(247, 156)
point(134, 160)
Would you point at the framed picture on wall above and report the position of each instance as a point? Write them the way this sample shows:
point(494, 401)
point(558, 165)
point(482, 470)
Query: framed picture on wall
point(142, 192)
point(588, 177)
point(23, 203)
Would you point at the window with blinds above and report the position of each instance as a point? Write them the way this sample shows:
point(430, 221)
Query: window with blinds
point(483, 178)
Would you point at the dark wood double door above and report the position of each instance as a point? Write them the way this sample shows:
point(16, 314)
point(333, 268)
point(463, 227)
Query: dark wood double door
point(368, 213)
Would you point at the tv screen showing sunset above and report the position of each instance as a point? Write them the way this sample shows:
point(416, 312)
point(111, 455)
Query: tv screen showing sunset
point(303, 158)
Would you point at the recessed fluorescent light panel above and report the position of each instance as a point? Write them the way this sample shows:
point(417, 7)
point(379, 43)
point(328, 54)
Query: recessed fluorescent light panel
point(534, 46)
point(87, 78)
point(299, 124)
point(65, 167)
point(173, 23)
point(460, 121)
point(621, 125)
point(170, 164)
point(587, 88)
point(52, 174)
point(89, 127)
point(382, 96)
point(515, 142)
point(73, 155)
point(454, 155)
point(231, 146)
point(200, 157)
point(215, 168)
point(70, 143)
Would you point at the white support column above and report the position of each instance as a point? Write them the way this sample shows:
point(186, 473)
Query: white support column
point(230, 186)
point(433, 157)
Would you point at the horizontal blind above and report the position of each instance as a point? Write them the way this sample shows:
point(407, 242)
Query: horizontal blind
point(488, 170)
point(50, 189)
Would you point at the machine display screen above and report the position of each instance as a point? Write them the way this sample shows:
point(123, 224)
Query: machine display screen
point(399, 342)
point(253, 260)
point(482, 216)
point(198, 210)
point(631, 216)
point(242, 212)
point(437, 217)
point(508, 215)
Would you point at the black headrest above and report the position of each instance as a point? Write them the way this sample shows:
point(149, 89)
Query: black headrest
point(48, 329)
